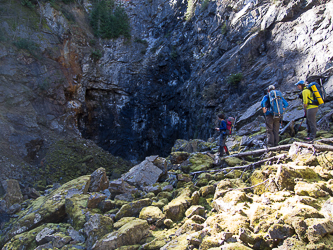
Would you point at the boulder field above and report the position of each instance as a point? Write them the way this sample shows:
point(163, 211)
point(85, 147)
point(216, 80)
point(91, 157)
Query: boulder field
point(193, 199)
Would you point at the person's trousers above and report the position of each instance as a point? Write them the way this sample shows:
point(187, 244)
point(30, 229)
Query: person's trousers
point(311, 122)
point(272, 126)
point(223, 147)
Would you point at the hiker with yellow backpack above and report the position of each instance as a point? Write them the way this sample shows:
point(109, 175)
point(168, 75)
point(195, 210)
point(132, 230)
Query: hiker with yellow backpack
point(312, 98)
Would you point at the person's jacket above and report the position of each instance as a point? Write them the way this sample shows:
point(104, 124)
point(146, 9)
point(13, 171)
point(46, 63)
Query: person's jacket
point(223, 127)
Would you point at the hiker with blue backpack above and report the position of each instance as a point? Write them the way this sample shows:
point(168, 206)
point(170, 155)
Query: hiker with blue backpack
point(273, 105)
point(312, 98)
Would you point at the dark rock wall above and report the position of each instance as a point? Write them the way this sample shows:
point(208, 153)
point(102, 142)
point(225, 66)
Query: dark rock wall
point(168, 81)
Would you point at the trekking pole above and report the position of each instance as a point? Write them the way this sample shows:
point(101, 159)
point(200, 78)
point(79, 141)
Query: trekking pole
point(297, 128)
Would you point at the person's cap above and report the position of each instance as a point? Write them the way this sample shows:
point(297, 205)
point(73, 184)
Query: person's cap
point(300, 82)
point(271, 87)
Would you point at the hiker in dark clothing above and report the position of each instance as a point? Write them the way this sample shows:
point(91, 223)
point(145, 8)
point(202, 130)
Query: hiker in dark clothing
point(223, 134)
point(272, 122)
point(310, 110)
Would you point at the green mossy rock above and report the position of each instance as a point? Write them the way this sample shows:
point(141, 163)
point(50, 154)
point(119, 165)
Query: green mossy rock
point(76, 208)
point(235, 196)
point(129, 234)
point(161, 203)
point(234, 161)
point(151, 214)
point(195, 210)
point(207, 190)
point(326, 160)
point(226, 221)
point(200, 162)
point(153, 245)
point(27, 240)
point(165, 195)
point(133, 208)
point(318, 228)
point(310, 189)
point(202, 182)
point(209, 242)
point(258, 177)
point(50, 208)
point(123, 221)
point(175, 210)
point(97, 226)
point(178, 157)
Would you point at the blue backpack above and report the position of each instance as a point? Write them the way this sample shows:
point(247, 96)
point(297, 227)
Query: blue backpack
point(276, 104)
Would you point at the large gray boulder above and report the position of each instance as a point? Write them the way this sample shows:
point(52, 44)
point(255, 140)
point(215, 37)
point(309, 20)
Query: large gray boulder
point(98, 180)
point(144, 174)
point(129, 234)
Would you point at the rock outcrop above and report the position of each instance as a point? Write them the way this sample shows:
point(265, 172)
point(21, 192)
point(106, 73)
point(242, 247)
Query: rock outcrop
point(184, 63)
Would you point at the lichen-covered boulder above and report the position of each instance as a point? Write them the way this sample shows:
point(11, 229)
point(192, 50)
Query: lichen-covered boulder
point(262, 185)
point(325, 160)
point(96, 227)
point(175, 210)
point(165, 195)
point(310, 189)
point(235, 196)
point(198, 162)
point(95, 199)
point(98, 181)
point(178, 157)
point(132, 209)
point(50, 208)
point(226, 221)
point(151, 214)
point(234, 161)
point(223, 186)
point(209, 242)
point(129, 234)
point(122, 222)
point(262, 217)
point(189, 226)
point(55, 235)
point(207, 190)
point(280, 231)
point(285, 175)
point(75, 208)
point(195, 210)
point(291, 211)
point(318, 228)
point(178, 243)
point(196, 238)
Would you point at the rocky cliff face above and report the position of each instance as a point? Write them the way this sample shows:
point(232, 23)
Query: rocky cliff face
point(168, 81)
